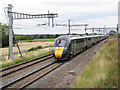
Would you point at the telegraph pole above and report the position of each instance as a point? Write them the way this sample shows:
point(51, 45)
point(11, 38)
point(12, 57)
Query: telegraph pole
point(10, 25)
point(52, 22)
point(93, 31)
point(85, 29)
point(69, 26)
point(117, 32)
point(99, 31)
point(48, 19)
point(105, 30)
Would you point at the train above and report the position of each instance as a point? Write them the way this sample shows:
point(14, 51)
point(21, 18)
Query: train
point(66, 46)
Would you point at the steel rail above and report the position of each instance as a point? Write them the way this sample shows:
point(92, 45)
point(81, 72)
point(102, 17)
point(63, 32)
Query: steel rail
point(10, 83)
point(15, 65)
point(32, 73)
point(39, 77)
point(25, 66)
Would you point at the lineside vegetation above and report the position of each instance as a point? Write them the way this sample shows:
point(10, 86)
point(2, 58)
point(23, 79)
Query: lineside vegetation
point(39, 40)
point(26, 56)
point(26, 46)
point(102, 72)
point(35, 48)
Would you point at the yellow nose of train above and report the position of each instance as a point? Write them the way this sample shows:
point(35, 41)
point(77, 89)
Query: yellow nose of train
point(58, 52)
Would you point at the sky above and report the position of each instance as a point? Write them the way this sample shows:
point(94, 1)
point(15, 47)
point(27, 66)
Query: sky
point(96, 13)
point(119, 17)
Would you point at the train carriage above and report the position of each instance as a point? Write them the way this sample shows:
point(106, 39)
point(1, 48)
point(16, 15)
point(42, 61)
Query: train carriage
point(69, 45)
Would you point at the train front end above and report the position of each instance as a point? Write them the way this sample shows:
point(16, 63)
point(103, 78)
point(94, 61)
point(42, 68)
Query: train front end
point(61, 48)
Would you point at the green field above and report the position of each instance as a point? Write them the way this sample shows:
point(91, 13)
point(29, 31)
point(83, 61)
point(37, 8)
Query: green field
point(38, 40)
point(102, 72)
point(35, 48)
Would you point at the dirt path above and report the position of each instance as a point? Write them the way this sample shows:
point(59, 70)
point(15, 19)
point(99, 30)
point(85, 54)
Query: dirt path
point(63, 77)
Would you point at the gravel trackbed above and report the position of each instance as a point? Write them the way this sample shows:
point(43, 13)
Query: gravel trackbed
point(65, 76)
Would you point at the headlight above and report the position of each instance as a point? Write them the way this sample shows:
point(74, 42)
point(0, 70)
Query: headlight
point(65, 48)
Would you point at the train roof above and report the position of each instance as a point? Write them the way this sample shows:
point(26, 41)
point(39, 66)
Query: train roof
point(78, 36)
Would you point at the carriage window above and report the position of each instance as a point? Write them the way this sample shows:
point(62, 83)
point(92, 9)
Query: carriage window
point(82, 40)
point(60, 43)
point(89, 38)
point(79, 40)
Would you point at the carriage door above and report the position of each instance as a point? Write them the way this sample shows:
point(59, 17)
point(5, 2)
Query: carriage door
point(85, 41)
point(74, 46)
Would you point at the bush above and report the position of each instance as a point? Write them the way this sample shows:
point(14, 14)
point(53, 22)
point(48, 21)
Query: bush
point(39, 47)
point(35, 48)
point(5, 35)
point(119, 35)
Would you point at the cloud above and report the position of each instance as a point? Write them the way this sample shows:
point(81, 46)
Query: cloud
point(104, 12)
point(109, 21)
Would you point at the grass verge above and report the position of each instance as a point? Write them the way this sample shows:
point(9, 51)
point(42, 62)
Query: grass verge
point(26, 56)
point(102, 72)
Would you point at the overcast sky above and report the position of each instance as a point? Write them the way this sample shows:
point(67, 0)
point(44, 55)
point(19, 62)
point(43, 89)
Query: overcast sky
point(96, 13)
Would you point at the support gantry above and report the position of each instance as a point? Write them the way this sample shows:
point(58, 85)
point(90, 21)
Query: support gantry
point(16, 16)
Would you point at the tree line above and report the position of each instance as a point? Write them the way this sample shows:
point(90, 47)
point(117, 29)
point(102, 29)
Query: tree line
point(5, 35)
point(31, 37)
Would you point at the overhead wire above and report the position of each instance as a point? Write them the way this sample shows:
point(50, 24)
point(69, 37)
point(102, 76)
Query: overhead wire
point(6, 15)
point(5, 19)
point(23, 25)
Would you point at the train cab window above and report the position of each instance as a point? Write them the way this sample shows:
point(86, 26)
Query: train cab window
point(60, 43)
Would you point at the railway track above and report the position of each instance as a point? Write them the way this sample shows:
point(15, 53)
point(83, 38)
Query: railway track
point(33, 76)
point(14, 72)
point(33, 70)
point(20, 66)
